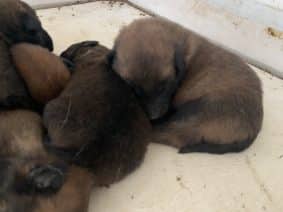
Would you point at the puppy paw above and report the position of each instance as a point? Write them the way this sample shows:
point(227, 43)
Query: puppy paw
point(46, 179)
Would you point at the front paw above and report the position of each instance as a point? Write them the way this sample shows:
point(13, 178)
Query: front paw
point(46, 179)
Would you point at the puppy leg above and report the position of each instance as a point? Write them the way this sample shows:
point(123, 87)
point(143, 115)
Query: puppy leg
point(208, 128)
point(180, 127)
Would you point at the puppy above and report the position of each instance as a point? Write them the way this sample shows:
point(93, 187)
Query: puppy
point(97, 119)
point(43, 72)
point(30, 176)
point(19, 23)
point(200, 97)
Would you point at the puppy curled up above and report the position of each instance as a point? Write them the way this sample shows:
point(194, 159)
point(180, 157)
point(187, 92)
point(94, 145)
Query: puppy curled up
point(200, 97)
point(33, 180)
point(96, 120)
point(19, 23)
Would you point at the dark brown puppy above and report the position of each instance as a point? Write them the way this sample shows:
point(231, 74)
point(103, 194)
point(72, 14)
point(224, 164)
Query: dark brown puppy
point(43, 72)
point(19, 23)
point(206, 99)
point(27, 171)
point(97, 117)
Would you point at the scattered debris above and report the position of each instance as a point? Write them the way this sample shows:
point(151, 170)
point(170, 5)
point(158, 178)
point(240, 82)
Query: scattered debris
point(274, 32)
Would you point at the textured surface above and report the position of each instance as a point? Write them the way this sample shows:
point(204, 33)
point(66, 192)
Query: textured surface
point(247, 182)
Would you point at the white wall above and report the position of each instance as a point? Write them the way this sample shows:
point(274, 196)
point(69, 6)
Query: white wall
point(265, 12)
point(273, 3)
point(50, 3)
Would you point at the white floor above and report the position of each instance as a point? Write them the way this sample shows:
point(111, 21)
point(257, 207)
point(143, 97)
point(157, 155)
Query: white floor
point(251, 181)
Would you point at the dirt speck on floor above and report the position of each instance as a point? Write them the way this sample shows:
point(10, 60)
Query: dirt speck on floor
point(274, 32)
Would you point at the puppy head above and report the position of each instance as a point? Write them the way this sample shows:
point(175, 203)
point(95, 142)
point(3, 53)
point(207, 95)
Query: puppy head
point(148, 64)
point(19, 23)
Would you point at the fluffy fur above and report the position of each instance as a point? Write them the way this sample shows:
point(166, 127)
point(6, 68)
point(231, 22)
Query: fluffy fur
point(19, 23)
point(97, 117)
point(43, 72)
point(200, 97)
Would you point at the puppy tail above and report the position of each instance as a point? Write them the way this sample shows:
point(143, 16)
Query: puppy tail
point(208, 147)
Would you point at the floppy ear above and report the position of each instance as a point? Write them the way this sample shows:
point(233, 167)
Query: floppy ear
point(179, 62)
point(30, 24)
point(72, 50)
point(111, 56)
point(89, 43)
point(69, 64)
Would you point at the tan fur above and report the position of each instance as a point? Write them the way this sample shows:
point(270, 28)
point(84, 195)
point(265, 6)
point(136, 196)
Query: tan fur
point(44, 73)
point(217, 100)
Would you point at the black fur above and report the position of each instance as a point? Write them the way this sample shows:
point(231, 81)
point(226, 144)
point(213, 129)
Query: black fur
point(208, 147)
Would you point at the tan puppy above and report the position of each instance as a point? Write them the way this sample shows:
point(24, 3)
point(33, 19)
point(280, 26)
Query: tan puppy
point(43, 72)
point(30, 176)
point(202, 98)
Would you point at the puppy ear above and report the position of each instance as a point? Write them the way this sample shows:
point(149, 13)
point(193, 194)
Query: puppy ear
point(72, 50)
point(69, 64)
point(111, 57)
point(89, 43)
point(179, 62)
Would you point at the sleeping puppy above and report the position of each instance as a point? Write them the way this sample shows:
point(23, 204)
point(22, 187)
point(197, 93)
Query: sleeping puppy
point(97, 120)
point(19, 23)
point(44, 73)
point(200, 97)
point(30, 176)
